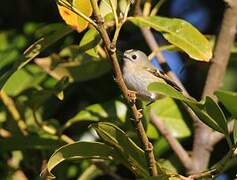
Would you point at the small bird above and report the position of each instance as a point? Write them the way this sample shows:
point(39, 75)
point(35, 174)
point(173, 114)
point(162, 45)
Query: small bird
point(138, 73)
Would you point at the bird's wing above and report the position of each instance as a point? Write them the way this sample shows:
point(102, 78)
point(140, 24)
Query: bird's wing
point(161, 75)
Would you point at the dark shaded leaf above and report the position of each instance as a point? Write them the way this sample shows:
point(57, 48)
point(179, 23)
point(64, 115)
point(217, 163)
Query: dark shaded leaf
point(115, 137)
point(79, 151)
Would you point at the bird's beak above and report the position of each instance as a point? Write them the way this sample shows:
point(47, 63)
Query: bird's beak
point(126, 57)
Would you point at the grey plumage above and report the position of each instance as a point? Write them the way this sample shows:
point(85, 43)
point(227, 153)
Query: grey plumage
point(138, 73)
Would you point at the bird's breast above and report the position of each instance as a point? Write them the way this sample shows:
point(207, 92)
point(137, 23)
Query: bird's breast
point(138, 79)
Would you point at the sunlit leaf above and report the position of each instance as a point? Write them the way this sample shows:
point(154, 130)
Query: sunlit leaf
point(123, 5)
point(71, 18)
point(180, 33)
point(105, 7)
point(29, 77)
point(89, 41)
point(172, 117)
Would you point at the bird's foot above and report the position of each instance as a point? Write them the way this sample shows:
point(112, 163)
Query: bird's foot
point(140, 115)
point(132, 96)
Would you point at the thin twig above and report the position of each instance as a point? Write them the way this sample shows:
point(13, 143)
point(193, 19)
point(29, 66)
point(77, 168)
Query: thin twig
point(156, 8)
point(147, 8)
point(201, 146)
point(111, 50)
point(160, 49)
point(174, 144)
point(11, 107)
point(126, 11)
point(51, 130)
point(114, 12)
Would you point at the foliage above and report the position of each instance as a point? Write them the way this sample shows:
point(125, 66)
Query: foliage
point(69, 93)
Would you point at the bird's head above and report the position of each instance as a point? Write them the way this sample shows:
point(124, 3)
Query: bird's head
point(134, 56)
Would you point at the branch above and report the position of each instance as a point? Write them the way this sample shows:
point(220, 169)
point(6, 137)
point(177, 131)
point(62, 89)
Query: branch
point(202, 146)
point(111, 50)
point(180, 152)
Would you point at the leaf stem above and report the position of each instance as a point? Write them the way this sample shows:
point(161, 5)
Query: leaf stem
point(114, 12)
point(156, 8)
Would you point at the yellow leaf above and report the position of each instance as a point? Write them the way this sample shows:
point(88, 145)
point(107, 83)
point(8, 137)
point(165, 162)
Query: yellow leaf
point(71, 18)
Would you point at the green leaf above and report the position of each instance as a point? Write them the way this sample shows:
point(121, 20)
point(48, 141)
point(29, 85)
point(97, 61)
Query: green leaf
point(172, 117)
point(205, 117)
point(123, 5)
point(84, 69)
point(180, 33)
point(197, 107)
point(29, 77)
point(216, 113)
point(235, 132)
point(79, 151)
point(55, 33)
point(229, 100)
point(105, 7)
point(165, 89)
point(89, 42)
point(133, 155)
point(152, 132)
point(109, 111)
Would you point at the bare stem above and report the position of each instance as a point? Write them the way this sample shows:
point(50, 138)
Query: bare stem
point(111, 50)
point(202, 147)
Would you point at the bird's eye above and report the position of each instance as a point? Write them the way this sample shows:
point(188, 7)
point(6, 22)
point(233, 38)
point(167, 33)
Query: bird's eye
point(134, 56)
